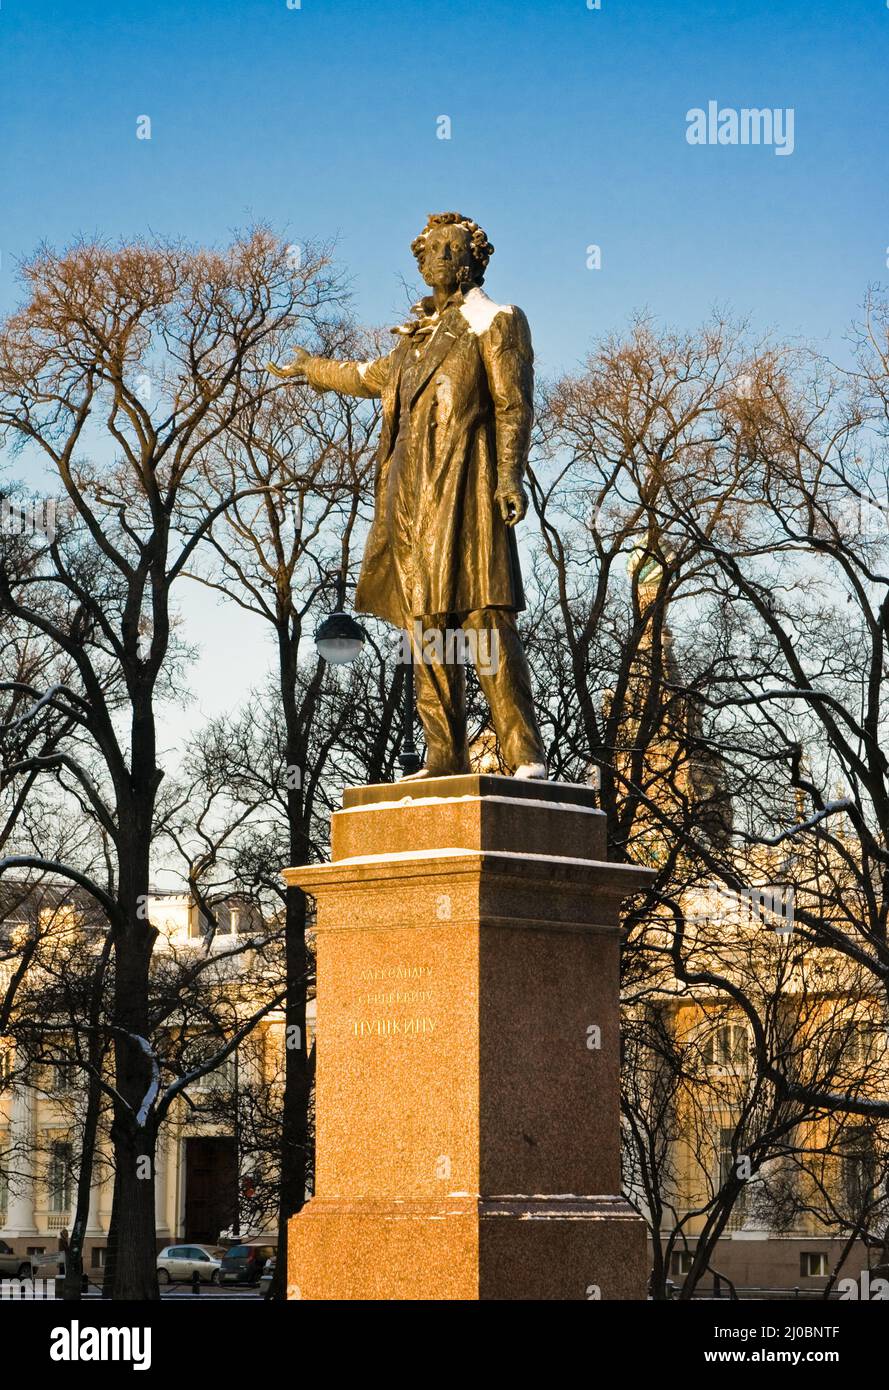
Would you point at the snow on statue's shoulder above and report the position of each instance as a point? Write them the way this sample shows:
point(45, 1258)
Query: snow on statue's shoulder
point(479, 311)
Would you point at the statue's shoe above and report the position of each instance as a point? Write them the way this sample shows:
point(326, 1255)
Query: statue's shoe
point(527, 772)
point(531, 772)
point(427, 772)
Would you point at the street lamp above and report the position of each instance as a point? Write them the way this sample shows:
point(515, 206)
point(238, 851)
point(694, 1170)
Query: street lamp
point(339, 640)
point(409, 759)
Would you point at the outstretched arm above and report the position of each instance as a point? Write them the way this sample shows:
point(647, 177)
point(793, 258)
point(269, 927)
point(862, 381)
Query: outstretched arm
point(348, 378)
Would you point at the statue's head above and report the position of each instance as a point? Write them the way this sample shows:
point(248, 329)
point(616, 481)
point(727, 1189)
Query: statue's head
point(452, 251)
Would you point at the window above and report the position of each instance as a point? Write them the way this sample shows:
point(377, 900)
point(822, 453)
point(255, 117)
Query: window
point(4, 1186)
point(727, 1046)
point(217, 923)
point(864, 1044)
point(728, 1167)
point(223, 925)
point(62, 1077)
point(727, 1161)
point(813, 1264)
point(860, 1169)
point(681, 1261)
point(97, 1257)
point(221, 1078)
point(225, 1074)
point(59, 1177)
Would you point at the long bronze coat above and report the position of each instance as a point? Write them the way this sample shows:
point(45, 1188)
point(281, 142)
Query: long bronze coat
point(457, 414)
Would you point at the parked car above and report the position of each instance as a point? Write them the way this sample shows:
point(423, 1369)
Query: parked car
point(11, 1264)
point(242, 1264)
point(181, 1261)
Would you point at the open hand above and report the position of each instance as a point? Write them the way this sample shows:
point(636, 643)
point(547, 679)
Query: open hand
point(294, 371)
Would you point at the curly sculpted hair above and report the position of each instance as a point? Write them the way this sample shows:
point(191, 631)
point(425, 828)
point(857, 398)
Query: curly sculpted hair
point(481, 248)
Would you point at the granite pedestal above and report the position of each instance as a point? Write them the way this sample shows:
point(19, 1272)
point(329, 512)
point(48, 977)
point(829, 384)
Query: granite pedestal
point(467, 1049)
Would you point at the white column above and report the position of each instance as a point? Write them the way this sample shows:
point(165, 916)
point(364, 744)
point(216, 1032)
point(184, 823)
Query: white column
point(161, 1218)
point(93, 1225)
point(20, 1202)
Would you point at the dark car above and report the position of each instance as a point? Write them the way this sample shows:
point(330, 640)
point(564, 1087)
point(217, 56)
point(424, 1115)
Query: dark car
point(242, 1264)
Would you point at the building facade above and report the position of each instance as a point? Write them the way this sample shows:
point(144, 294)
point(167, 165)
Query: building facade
point(209, 1175)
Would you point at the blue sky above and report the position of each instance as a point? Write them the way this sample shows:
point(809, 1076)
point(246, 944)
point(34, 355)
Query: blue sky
point(567, 128)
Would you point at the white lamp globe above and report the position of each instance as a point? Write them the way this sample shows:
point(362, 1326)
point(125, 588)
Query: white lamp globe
point(339, 639)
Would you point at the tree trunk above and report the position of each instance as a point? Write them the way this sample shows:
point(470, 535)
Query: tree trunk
point(134, 1138)
point(135, 1265)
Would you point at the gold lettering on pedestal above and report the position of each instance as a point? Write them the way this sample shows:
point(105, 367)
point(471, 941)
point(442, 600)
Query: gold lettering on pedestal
point(396, 972)
point(417, 1023)
point(392, 1027)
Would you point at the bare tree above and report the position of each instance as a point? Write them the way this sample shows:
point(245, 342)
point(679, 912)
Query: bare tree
point(139, 354)
point(697, 655)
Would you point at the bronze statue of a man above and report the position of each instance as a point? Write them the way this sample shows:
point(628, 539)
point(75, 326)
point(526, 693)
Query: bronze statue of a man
point(441, 555)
